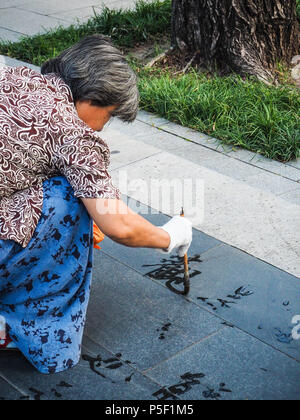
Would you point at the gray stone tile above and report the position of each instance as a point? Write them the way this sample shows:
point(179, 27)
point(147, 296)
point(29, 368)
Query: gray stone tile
point(295, 164)
point(230, 365)
point(121, 4)
point(275, 167)
point(250, 294)
point(11, 3)
point(44, 7)
point(81, 15)
point(147, 134)
point(110, 380)
point(27, 22)
point(273, 183)
point(124, 149)
point(7, 61)
point(7, 35)
point(286, 170)
point(7, 392)
point(236, 169)
point(135, 316)
point(292, 197)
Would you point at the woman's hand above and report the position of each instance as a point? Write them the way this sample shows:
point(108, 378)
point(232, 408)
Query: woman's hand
point(181, 234)
point(122, 225)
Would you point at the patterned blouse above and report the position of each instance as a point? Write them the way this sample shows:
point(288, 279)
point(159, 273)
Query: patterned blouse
point(41, 136)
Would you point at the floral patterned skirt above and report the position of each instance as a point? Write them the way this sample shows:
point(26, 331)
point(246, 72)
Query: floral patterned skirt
point(45, 288)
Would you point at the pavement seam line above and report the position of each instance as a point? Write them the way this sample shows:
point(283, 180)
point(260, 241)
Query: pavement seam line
point(136, 161)
point(41, 14)
point(220, 152)
point(184, 349)
point(15, 32)
point(13, 385)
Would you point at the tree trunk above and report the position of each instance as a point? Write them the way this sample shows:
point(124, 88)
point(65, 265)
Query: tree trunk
point(243, 36)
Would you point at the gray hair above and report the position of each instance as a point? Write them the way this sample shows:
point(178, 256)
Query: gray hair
point(96, 71)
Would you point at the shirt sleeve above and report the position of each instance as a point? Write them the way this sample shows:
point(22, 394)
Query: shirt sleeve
point(84, 161)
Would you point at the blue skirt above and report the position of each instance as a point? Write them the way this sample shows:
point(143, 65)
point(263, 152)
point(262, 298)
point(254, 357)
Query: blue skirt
point(45, 288)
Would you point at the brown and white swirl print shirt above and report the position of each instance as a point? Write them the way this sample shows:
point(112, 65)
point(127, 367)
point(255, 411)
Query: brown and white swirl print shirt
point(41, 136)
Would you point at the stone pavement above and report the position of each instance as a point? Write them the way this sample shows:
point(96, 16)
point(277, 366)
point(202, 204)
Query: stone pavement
point(233, 336)
point(29, 17)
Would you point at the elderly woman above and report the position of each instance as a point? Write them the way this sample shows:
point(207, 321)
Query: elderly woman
point(54, 182)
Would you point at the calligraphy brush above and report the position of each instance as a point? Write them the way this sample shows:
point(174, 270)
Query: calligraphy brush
point(187, 284)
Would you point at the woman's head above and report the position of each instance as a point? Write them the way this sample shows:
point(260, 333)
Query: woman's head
point(98, 73)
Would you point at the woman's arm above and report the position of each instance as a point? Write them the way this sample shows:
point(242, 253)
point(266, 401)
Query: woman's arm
point(124, 226)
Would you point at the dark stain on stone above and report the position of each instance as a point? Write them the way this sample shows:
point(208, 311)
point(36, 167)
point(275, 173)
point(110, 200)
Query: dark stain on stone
point(227, 324)
point(57, 394)
point(165, 328)
point(94, 362)
point(188, 380)
point(215, 304)
point(64, 384)
point(282, 337)
point(128, 379)
point(97, 364)
point(37, 394)
point(215, 394)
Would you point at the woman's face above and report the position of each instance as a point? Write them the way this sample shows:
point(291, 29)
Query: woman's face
point(94, 116)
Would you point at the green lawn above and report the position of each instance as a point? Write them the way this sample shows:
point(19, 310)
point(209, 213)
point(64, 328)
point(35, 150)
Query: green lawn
point(244, 113)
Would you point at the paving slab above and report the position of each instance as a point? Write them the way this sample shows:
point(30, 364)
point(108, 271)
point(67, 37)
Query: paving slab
point(7, 35)
point(293, 196)
point(288, 170)
point(11, 3)
point(132, 315)
point(295, 164)
point(78, 15)
point(229, 365)
point(238, 288)
point(144, 134)
point(99, 376)
point(227, 165)
point(125, 150)
point(27, 22)
point(44, 7)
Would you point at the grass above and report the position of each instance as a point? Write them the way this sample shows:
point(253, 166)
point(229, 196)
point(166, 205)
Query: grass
point(126, 27)
point(245, 113)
